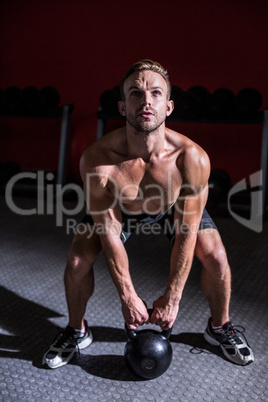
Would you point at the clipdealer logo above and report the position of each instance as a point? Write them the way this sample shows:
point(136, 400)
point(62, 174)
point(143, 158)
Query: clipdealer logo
point(50, 198)
point(255, 222)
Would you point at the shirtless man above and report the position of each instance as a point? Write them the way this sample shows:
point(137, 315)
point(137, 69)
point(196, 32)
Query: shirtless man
point(147, 172)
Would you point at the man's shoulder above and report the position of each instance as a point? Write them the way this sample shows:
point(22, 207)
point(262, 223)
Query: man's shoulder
point(106, 149)
point(196, 166)
point(180, 139)
point(105, 153)
point(189, 150)
point(193, 161)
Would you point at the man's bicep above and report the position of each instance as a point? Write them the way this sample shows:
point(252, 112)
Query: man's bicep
point(100, 190)
point(104, 209)
point(99, 199)
point(188, 211)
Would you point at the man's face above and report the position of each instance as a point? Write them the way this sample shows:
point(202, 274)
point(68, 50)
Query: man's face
point(146, 106)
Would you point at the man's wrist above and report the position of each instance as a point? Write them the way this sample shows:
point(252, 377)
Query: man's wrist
point(173, 296)
point(127, 295)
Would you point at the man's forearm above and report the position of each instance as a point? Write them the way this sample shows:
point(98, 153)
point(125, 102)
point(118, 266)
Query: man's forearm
point(180, 266)
point(117, 261)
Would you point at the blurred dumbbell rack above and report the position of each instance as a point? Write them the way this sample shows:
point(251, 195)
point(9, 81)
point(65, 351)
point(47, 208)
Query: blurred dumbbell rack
point(260, 118)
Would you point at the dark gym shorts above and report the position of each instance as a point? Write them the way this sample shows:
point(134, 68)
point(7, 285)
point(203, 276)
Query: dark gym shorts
point(163, 222)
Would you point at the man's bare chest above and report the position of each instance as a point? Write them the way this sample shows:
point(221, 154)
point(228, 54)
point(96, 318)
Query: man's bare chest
point(151, 189)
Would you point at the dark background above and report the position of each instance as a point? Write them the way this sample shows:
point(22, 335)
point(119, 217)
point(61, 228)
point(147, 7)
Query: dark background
point(83, 47)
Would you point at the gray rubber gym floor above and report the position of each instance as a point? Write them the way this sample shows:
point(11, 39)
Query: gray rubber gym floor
point(32, 306)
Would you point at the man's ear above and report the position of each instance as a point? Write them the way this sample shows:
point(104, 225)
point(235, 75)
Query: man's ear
point(121, 108)
point(170, 107)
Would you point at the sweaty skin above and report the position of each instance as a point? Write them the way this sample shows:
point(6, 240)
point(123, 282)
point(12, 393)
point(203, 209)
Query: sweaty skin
point(145, 167)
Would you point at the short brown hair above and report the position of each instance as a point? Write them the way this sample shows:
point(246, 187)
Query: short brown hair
point(146, 64)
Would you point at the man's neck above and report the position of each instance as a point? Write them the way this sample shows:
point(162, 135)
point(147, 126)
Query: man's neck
point(145, 145)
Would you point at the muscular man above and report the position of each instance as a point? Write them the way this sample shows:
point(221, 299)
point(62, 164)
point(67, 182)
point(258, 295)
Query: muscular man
point(146, 173)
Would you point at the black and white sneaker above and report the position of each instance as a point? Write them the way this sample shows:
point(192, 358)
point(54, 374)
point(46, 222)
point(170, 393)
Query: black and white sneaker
point(66, 343)
point(234, 347)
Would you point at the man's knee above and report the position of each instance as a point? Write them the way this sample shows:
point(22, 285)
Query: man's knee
point(218, 258)
point(211, 252)
point(83, 253)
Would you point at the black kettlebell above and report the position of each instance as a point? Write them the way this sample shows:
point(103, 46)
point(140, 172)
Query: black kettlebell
point(148, 353)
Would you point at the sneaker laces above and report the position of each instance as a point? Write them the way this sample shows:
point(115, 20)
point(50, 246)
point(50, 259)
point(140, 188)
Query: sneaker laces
point(230, 333)
point(63, 337)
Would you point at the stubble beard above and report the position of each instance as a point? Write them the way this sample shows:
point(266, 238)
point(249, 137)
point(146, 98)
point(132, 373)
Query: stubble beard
point(143, 127)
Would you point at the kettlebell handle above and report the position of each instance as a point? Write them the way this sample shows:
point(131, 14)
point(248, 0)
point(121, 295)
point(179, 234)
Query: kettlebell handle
point(131, 333)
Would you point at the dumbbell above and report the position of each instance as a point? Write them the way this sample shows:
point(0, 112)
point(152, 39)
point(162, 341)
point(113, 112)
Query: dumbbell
point(248, 102)
point(33, 100)
point(221, 104)
point(51, 97)
point(2, 102)
point(118, 91)
point(109, 100)
point(14, 100)
point(219, 185)
point(192, 104)
point(175, 94)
